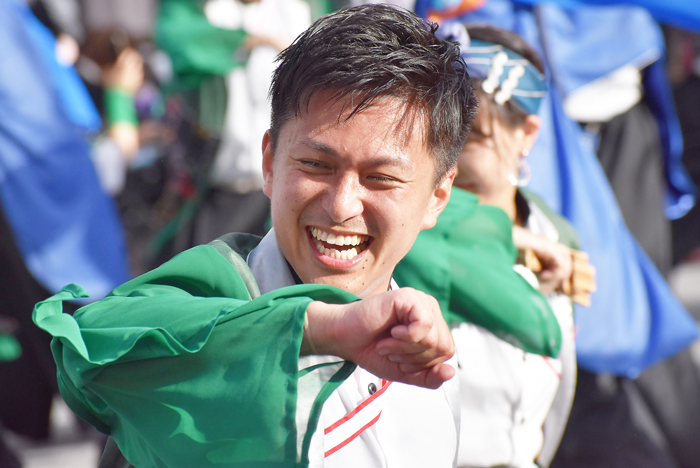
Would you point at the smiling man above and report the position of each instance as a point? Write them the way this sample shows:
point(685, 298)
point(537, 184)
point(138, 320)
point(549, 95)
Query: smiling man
point(297, 349)
point(349, 196)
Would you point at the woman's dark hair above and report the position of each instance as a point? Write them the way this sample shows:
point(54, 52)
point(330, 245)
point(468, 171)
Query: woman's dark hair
point(509, 112)
point(374, 51)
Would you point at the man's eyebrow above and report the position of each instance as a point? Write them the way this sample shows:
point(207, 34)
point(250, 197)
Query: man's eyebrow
point(322, 147)
point(401, 161)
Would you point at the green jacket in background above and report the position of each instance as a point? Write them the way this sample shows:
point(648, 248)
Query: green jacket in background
point(567, 233)
point(466, 262)
point(201, 55)
point(197, 49)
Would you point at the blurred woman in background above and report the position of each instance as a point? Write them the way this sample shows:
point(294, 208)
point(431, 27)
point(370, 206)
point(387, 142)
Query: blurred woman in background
point(509, 395)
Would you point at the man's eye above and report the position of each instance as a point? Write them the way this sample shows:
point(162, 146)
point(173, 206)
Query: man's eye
point(381, 179)
point(313, 164)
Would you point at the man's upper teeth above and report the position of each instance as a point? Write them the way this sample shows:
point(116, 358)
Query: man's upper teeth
point(337, 239)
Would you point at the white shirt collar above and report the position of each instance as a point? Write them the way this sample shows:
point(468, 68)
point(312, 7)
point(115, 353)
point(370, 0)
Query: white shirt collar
point(269, 267)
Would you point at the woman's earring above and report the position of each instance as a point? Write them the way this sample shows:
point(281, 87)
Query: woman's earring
point(522, 177)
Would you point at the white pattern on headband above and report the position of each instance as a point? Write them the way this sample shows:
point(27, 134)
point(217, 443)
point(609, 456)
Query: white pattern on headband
point(510, 83)
point(497, 66)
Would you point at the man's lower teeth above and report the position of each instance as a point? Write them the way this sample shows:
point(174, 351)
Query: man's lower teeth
point(340, 254)
point(335, 253)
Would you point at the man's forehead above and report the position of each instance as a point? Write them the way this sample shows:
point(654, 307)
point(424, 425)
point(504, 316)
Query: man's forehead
point(405, 123)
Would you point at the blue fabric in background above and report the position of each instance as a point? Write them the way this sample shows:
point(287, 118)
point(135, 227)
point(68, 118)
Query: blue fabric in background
point(684, 14)
point(680, 190)
point(588, 43)
point(67, 228)
point(634, 320)
point(75, 100)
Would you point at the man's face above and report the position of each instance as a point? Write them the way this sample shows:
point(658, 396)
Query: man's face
point(349, 197)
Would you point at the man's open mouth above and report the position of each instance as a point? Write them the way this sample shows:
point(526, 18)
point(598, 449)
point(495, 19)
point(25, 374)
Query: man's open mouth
point(339, 246)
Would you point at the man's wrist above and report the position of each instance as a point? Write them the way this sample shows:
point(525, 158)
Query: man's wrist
point(308, 346)
point(317, 337)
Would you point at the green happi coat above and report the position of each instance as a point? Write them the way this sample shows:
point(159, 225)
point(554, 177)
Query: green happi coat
point(466, 262)
point(188, 366)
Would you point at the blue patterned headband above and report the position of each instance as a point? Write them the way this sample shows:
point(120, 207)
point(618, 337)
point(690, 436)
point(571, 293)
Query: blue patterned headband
point(505, 74)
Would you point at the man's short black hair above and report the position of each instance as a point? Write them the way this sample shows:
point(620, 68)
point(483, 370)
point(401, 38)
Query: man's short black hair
point(373, 51)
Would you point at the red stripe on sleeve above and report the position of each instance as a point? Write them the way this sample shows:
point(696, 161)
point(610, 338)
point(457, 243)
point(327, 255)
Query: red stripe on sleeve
point(350, 415)
point(354, 436)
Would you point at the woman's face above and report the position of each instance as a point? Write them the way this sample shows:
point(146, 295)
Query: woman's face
point(488, 157)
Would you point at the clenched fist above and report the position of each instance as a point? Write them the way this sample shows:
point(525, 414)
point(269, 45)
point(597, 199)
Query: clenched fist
point(398, 335)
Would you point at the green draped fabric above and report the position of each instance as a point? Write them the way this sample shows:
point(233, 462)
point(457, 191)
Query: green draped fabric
point(197, 49)
point(183, 369)
point(466, 262)
point(202, 55)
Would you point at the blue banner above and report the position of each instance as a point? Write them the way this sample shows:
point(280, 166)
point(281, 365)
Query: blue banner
point(67, 228)
point(684, 14)
point(634, 320)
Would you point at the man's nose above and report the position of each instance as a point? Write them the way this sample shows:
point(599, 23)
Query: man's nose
point(343, 199)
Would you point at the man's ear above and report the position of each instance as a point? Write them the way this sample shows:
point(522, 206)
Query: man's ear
point(267, 163)
point(531, 130)
point(439, 199)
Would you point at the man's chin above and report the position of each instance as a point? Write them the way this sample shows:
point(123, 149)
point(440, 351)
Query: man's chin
point(360, 287)
point(344, 282)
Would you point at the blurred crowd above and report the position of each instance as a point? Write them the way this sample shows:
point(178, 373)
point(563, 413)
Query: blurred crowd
point(131, 130)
